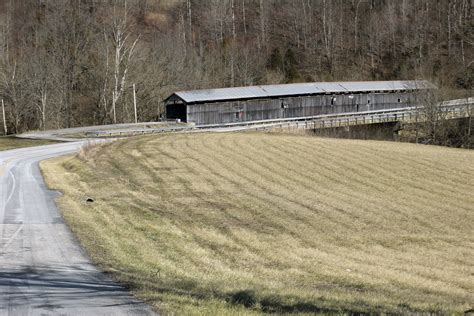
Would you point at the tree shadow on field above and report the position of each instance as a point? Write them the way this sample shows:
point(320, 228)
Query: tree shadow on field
point(274, 304)
point(269, 304)
point(246, 298)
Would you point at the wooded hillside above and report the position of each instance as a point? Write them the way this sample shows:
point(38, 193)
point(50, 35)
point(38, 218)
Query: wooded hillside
point(74, 62)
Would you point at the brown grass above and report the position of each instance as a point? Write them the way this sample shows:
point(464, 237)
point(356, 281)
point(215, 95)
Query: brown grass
point(11, 142)
point(251, 223)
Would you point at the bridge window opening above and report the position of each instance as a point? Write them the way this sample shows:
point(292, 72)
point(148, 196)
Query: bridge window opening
point(368, 101)
point(333, 100)
point(239, 115)
point(399, 100)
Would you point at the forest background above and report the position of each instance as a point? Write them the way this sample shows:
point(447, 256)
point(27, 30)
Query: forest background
point(66, 63)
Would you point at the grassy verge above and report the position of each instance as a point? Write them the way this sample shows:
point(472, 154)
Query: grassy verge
point(11, 142)
point(255, 223)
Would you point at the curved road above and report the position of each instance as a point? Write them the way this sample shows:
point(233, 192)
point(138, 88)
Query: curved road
point(43, 270)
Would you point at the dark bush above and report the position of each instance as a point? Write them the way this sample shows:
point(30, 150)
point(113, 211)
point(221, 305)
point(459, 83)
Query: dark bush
point(245, 298)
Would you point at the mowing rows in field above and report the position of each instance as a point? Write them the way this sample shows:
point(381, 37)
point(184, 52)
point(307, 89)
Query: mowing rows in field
point(221, 223)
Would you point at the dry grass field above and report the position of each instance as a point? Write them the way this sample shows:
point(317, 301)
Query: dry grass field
point(256, 223)
point(10, 142)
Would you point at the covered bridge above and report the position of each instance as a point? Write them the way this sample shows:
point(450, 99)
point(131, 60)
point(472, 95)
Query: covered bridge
point(267, 102)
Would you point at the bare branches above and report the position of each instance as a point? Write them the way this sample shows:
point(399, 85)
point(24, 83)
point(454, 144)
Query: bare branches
point(124, 51)
point(65, 63)
point(5, 129)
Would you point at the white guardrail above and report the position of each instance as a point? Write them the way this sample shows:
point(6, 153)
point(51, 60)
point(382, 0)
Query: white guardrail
point(135, 132)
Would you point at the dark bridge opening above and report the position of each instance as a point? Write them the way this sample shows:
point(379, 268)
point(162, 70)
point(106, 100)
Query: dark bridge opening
point(176, 111)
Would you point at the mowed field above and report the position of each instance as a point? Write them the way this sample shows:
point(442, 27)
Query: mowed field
point(254, 223)
point(11, 142)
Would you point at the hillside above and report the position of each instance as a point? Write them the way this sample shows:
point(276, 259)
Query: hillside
point(7, 142)
point(252, 223)
point(75, 62)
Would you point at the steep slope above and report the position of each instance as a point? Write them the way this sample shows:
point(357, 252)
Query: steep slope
point(233, 223)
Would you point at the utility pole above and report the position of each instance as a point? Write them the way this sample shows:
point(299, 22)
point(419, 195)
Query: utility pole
point(4, 119)
point(135, 102)
point(113, 107)
point(469, 126)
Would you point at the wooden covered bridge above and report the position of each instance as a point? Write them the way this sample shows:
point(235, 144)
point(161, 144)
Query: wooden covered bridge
point(273, 102)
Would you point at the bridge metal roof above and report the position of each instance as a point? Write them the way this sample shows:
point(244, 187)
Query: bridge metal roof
point(268, 91)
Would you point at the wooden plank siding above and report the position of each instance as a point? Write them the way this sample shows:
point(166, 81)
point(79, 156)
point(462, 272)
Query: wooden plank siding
point(296, 106)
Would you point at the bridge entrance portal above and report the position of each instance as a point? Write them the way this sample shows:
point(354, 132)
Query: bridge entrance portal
point(176, 111)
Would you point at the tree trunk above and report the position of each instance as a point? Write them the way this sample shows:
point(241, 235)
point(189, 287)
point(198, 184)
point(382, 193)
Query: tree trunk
point(190, 22)
point(116, 75)
point(449, 28)
point(243, 17)
point(232, 72)
point(356, 17)
point(135, 103)
point(4, 119)
point(43, 109)
point(113, 107)
point(262, 23)
point(469, 126)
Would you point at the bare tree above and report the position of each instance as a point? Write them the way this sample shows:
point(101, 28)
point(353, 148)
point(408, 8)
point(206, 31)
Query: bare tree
point(232, 52)
point(72, 62)
point(124, 48)
point(4, 119)
point(39, 86)
point(469, 110)
point(356, 21)
point(263, 36)
point(69, 38)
